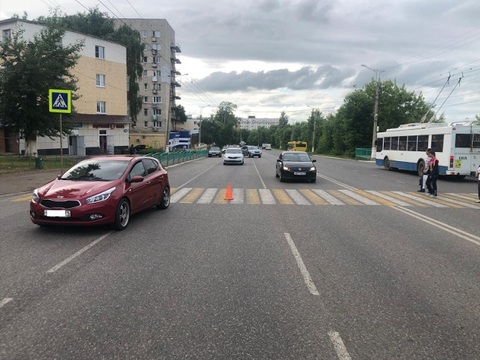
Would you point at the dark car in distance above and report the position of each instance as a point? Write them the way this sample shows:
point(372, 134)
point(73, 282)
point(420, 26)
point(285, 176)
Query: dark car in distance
point(214, 151)
point(102, 190)
point(296, 165)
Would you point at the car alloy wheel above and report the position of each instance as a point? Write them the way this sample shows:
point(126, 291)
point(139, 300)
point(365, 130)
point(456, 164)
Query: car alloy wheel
point(165, 200)
point(122, 215)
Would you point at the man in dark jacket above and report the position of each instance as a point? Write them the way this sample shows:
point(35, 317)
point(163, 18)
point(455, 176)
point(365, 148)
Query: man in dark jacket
point(432, 175)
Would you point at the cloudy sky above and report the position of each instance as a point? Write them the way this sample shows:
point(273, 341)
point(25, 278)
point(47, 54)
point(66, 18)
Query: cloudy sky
point(269, 56)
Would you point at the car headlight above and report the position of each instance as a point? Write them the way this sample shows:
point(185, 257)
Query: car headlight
point(100, 197)
point(313, 168)
point(35, 196)
point(285, 168)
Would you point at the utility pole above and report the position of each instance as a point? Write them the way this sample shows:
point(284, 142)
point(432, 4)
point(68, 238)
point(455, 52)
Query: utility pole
point(313, 136)
point(375, 110)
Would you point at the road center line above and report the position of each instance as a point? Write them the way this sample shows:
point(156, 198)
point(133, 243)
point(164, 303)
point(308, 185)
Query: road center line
point(303, 269)
point(339, 346)
point(258, 173)
point(5, 301)
point(442, 226)
point(78, 253)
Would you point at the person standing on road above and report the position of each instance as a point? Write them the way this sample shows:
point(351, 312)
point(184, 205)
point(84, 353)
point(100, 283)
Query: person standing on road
point(423, 178)
point(432, 175)
point(478, 177)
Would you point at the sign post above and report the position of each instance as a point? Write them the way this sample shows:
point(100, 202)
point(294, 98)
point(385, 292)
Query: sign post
point(60, 101)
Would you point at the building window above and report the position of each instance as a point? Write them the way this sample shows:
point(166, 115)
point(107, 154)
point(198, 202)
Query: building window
point(156, 60)
point(145, 59)
point(145, 73)
point(157, 124)
point(145, 112)
point(145, 124)
point(99, 52)
point(156, 33)
point(6, 34)
point(145, 86)
point(101, 107)
point(100, 80)
point(157, 111)
point(145, 99)
point(156, 99)
point(157, 86)
point(157, 73)
point(155, 46)
point(144, 33)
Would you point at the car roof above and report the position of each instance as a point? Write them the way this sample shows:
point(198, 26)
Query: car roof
point(294, 152)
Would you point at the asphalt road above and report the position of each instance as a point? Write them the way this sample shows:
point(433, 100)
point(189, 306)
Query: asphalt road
point(356, 266)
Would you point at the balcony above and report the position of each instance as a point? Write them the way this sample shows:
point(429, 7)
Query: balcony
point(176, 48)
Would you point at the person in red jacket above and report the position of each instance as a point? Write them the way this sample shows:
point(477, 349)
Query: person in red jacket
point(432, 175)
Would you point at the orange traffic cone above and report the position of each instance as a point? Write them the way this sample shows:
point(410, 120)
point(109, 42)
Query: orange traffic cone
point(228, 193)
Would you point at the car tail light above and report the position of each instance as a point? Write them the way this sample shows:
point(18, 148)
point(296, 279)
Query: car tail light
point(451, 162)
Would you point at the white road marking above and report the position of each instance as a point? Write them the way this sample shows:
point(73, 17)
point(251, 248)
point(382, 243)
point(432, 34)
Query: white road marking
point(303, 269)
point(327, 197)
point(442, 226)
point(207, 196)
point(266, 196)
point(420, 198)
point(297, 197)
point(5, 301)
point(389, 198)
point(237, 196)
point(358, 197)
point(176, 196)
point(78, 253)
point(339, 346)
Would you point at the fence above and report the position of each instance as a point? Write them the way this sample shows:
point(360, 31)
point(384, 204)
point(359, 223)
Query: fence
point(176, 157)
point(363, 153)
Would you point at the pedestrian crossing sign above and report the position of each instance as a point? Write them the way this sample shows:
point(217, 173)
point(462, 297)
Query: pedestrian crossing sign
point(60, 101)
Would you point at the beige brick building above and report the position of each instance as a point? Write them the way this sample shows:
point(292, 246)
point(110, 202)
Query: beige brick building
point(101, 120)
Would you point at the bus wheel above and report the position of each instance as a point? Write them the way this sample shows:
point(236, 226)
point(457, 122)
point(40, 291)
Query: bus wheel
point(386, 164)
point(420, 167)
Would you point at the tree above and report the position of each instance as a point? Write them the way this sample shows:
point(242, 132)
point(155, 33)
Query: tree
point(283, 120)
point(180, 115)
point(29, 69)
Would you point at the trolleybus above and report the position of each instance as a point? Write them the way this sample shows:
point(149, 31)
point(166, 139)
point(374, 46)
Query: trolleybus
point(456, 145)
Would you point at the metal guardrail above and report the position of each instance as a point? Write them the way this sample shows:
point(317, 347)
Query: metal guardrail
point(177, 157)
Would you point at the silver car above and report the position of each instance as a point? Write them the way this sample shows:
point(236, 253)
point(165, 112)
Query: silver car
point(233, 156)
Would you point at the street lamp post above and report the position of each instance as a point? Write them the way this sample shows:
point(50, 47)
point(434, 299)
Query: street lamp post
point(375, 110)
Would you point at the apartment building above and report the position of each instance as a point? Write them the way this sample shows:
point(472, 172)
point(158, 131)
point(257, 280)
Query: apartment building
point(157, 85)
point(101, 119)
point(252, 123)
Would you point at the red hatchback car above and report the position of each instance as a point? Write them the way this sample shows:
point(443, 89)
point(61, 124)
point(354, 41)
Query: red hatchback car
point(102, 190)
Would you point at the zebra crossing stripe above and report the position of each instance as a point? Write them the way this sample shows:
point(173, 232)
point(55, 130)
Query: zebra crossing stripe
point(267, 197)
point(359, 197)
point(331, 199)
point(253, 197)
point(191, 196)
point(282, 197)
point(419, 199)
point(314, 198)
point(389, 198)
point(344, 197)
point(207, 196)
point(297, 197)
point(237, 196)
point(177, 195)
point(448, 199)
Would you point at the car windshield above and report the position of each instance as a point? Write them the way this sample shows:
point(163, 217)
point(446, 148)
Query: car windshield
point(296, 157)
point(96, 170)
point(233, 151)
point(252, 147)
point(213, 148)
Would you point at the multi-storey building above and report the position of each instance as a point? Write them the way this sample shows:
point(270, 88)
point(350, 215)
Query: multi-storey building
point(157, 85)
point(101, 118)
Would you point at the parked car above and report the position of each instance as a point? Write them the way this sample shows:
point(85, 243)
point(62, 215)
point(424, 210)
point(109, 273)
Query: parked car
point(233, 156)
point(214, 151)
point(254, 151)
point(102, 190)
point(296, 165)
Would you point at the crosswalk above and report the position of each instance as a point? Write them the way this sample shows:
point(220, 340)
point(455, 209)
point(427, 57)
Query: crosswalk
point(319, 197)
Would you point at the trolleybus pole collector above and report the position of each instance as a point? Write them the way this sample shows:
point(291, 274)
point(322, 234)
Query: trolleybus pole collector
point(457, 147)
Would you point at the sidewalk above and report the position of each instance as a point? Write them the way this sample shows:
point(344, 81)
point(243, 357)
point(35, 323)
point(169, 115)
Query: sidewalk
point(27, 181)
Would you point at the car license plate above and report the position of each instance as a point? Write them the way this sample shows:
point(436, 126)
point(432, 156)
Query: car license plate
point(57, 213)
point(299, 173)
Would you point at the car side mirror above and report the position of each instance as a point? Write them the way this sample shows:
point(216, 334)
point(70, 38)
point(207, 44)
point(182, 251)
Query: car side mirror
point(136, 179)
point(314, 160)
